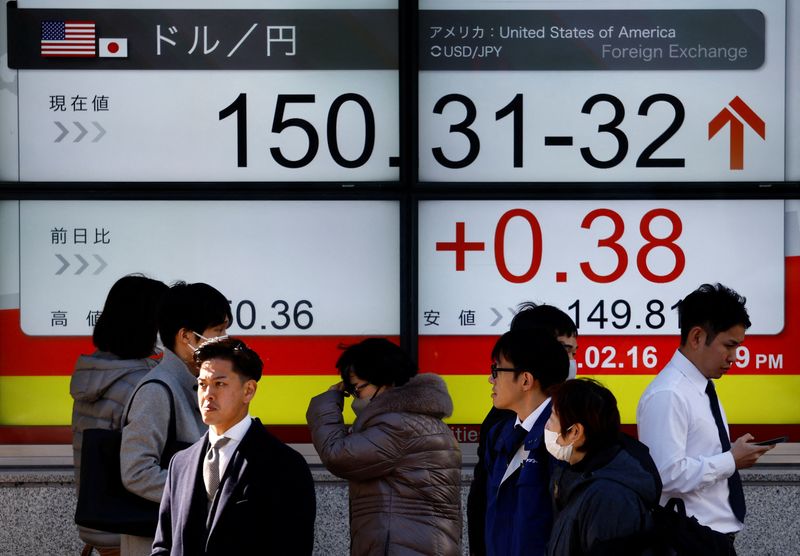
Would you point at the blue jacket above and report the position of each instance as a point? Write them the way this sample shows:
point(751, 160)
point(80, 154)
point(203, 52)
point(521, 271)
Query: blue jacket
point(519, 513)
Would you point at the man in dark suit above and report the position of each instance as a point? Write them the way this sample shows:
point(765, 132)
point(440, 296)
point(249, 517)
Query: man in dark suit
point(530, 318)
point(238, 490)
point(518, 504)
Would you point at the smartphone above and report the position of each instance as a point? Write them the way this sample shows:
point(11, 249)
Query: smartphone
point(772, 441)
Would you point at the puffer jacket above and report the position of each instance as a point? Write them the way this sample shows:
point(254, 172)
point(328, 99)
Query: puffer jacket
point(403, 464)
point(603, 497)
point(100, 387)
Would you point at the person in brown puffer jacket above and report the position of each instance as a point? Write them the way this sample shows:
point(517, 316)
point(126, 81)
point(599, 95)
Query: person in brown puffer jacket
point(401, 460)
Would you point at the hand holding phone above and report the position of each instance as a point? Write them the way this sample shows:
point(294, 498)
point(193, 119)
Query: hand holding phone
point(771, 441)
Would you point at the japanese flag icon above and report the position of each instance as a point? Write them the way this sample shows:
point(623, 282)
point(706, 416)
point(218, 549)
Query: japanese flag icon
point(113, 48)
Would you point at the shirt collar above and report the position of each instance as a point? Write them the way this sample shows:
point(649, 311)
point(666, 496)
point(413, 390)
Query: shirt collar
point(692, 373)
point(529, 421)
point(236, 432)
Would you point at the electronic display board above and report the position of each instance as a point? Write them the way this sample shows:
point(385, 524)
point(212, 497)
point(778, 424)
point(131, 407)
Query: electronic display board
point(303, 277)
point(509, 92)
point(617, 267)
point(608, 91)
point(201, 92)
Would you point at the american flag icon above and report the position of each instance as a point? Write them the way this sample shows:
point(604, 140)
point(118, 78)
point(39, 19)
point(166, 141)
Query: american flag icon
point(68, 39)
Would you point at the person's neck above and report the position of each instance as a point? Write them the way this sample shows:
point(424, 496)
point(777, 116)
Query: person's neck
point(576, 456)
point(529, 404)
point(690, 356)
point(221, 429)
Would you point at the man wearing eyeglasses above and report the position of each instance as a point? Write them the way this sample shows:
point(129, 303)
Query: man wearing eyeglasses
point(530, 317)
point(518, 509)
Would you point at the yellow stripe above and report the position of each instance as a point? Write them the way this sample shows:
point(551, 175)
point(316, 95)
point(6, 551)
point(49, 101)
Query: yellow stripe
point(750, 399)
point(35, 400)
point(282, 400)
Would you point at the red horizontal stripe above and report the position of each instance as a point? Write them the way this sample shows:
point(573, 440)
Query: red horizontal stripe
point(299, 434)
point(23, 355)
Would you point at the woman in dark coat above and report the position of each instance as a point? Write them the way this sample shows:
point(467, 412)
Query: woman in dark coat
point(606, 489)
point(401, 460)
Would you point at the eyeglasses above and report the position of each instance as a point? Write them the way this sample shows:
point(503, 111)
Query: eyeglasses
point(355, 389)
point(496, 370)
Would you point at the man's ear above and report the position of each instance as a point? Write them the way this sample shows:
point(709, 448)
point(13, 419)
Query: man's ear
point(250, 388)
point(696, 337)
point(528, 381)
point(184, 335)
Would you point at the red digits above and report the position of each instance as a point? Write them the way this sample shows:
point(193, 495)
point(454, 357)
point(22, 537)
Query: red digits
point(500, 246)
point(610, 242)
point(667, 242)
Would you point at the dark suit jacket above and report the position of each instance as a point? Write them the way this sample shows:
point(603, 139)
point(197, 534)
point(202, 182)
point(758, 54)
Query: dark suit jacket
point(519, 512)
point(265, 505)
point(476, 501)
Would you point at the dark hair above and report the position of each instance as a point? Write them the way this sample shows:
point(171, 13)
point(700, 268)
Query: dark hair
point(586, 401)
point(128, 324)
point(713, 308)
point(531, 316)
point(244, 360)
point(378, 361)
point(193, 306)
point(536, 351)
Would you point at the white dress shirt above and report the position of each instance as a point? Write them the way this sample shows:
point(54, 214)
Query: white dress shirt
point(675, 422)
point(235, 433)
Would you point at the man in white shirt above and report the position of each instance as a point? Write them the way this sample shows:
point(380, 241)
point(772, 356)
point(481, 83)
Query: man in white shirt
point(682, 422)
point(238, 490)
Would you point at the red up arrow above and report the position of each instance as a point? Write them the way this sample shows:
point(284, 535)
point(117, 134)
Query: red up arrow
point(725, 116)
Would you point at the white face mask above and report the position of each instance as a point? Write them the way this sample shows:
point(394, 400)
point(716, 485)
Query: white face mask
point(358, 404)
point(193, 348)
point(573, 369)
point(563, 453)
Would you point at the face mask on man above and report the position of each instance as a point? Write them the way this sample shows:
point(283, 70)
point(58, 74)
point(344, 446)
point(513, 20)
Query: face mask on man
point(573, 369)
point(193, 348)
point(562, 453)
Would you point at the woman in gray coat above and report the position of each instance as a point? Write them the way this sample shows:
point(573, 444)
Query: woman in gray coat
point(125, 337)
point(401, 460)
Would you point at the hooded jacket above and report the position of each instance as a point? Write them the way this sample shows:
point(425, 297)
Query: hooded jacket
point(403, 465)
point(604, 496)
point(100, 387)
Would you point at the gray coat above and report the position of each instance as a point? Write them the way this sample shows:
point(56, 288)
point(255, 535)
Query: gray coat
point(100, 387)
point(403, 464)
point(145, 432)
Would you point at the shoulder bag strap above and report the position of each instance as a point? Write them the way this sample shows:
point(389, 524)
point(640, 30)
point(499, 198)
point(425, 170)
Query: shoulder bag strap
point(172, 428)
